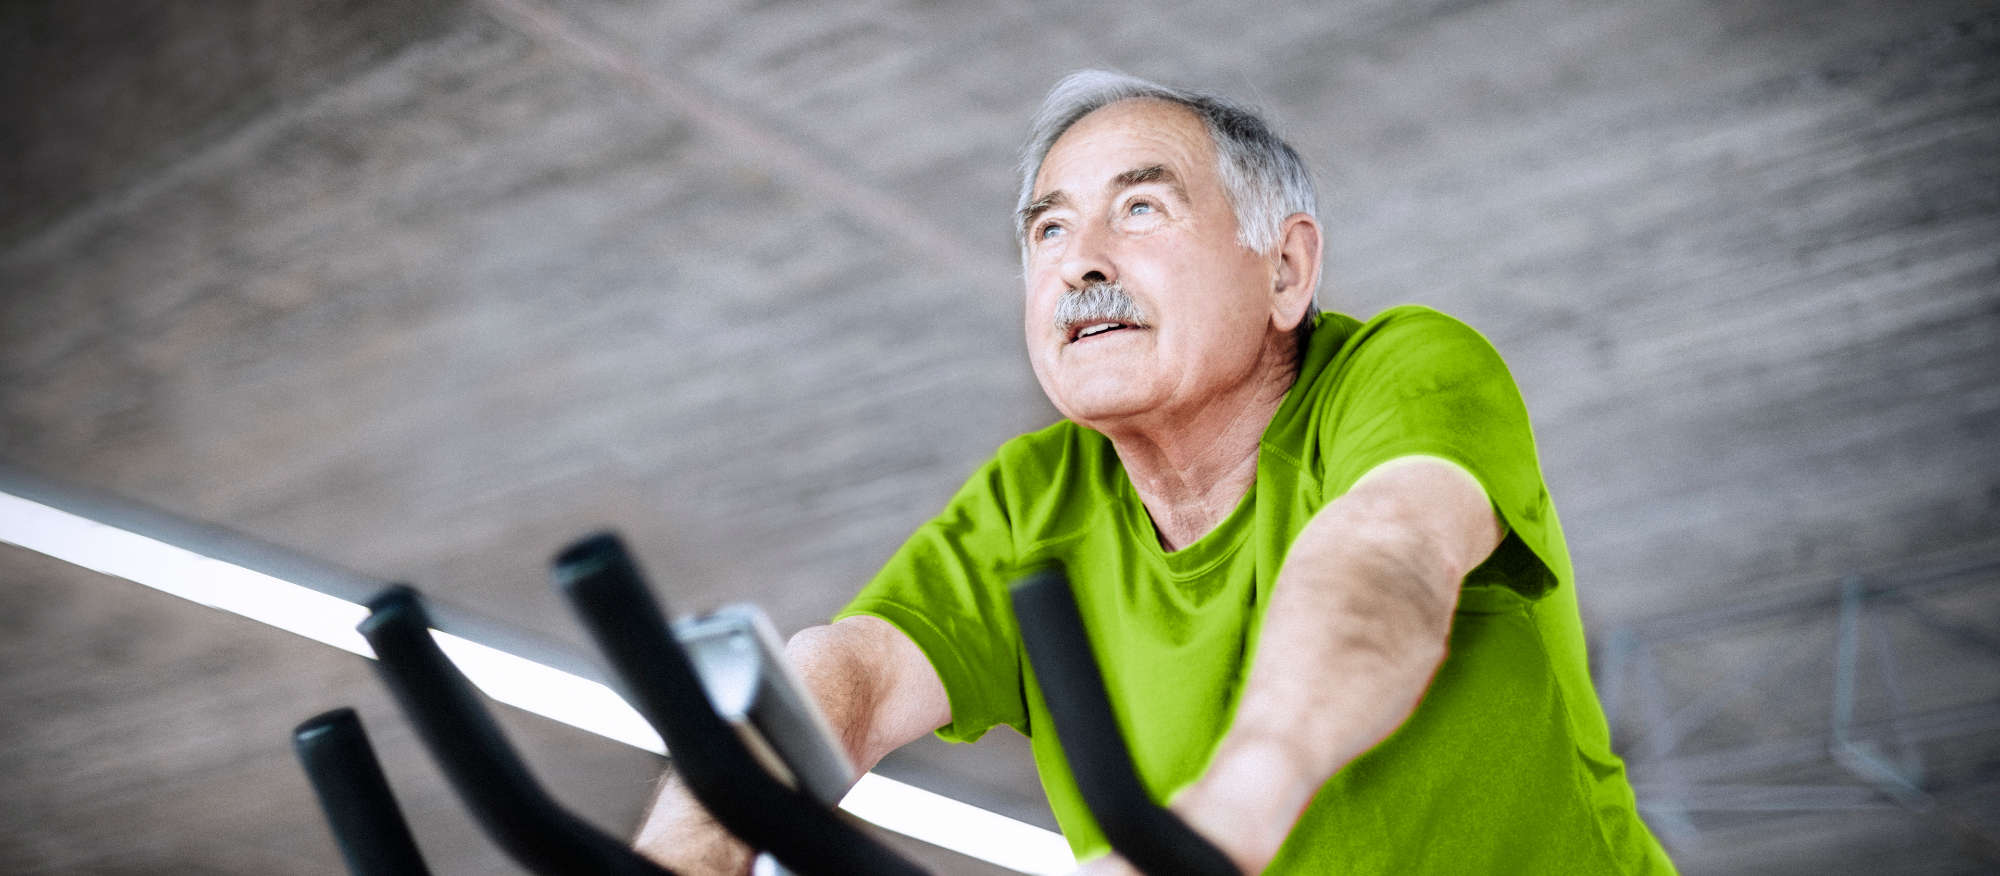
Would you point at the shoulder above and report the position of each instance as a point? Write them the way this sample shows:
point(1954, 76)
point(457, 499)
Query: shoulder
point(1346, 354)
point(1414, 323)
point(1404, 349)
point(1410, 329)
point(1408, 376)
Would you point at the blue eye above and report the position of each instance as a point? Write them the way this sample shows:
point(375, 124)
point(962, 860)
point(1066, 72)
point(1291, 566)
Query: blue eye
point(1140, 206)
point(1047, 231)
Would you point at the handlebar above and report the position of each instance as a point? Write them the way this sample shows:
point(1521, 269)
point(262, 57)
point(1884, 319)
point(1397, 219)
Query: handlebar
point(347, 778)
point(482, 767)
point(1152, 838)
point(602, 583)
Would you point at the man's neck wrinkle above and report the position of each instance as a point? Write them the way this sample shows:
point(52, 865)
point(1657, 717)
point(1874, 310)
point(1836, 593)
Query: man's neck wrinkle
point(1192, 470)
point(1191, 484)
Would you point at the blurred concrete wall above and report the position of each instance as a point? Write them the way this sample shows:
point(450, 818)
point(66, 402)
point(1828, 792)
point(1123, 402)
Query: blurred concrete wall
point(426, 289)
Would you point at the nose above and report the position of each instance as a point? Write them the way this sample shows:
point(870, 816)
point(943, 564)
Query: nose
point(1086, 259)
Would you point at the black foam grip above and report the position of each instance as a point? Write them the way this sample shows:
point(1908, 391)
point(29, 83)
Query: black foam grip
point(602, 583)
point(468, 745)
point(346, 777)
point(1151, 838)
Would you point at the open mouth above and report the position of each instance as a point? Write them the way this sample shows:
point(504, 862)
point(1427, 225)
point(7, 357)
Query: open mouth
point(1091, 330)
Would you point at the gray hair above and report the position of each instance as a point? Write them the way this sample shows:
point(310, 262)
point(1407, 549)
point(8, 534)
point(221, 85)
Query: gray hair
point(1265, 178)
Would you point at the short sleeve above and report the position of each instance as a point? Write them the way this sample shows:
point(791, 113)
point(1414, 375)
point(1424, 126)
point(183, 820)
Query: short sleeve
point(945, 588)
point(1414, 381)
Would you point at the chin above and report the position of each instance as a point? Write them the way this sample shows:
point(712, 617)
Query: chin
point(1090, 408)
point(1102, 392)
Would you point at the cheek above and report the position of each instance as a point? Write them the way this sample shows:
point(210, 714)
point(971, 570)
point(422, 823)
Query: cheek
point(1039, 306)
point(1220, 314)
point(1038, 302)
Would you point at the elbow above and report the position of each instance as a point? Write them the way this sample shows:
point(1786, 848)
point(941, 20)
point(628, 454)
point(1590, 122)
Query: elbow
point(826, 663)
point(815, 653)
point(807, 644)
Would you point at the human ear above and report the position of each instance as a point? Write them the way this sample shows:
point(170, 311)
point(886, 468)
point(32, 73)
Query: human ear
point(1297, 276)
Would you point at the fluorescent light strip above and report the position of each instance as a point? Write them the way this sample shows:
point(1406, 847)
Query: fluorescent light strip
point(517, 681)
point(961, 827)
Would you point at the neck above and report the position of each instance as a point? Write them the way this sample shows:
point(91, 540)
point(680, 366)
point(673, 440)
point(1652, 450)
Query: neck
point(1191, 467)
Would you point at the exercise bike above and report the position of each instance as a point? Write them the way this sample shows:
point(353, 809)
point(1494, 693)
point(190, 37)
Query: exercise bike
point(745, 738)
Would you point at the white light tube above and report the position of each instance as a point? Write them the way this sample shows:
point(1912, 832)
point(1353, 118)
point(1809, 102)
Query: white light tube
point(961, 827)
point(517, 681)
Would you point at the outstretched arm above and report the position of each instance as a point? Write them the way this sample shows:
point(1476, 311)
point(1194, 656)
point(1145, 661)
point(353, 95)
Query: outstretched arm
point(1355, 630)
point(878, 690)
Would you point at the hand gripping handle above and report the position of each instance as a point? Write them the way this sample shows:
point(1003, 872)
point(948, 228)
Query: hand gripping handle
point(602, 583)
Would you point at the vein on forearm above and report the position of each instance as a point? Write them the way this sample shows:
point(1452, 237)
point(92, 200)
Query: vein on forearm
point(1355, 629)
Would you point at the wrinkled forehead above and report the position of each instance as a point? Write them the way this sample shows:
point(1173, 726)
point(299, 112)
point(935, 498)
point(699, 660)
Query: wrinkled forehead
point(1157, 131)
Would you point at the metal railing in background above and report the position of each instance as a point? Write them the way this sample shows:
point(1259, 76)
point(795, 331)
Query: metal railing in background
point(1833, 718)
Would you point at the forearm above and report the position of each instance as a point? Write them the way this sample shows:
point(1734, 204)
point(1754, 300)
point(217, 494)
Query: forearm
point(679, 834)
point(1355, 630)
point(1343, 659)
point(1347, 648)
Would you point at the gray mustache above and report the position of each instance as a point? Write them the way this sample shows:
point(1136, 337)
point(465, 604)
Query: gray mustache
point(1094, 303)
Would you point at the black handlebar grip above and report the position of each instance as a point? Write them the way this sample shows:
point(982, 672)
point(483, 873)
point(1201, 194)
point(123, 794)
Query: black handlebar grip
point(347, 778)
point(468, 745)
point(1149, 836)
point(602, 583)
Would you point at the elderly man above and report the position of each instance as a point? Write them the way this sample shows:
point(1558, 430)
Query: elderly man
point(1337, 610)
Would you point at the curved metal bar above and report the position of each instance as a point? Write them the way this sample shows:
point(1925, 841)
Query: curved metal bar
point(482, 767)
point(601, 582)
point(1152, 838)
point(346, 777)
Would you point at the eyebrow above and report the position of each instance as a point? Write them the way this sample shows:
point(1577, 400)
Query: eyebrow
point(1155, 173)
point(1027, 216)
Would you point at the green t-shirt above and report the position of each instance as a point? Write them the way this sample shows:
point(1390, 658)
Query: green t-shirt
point(1505, 766)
